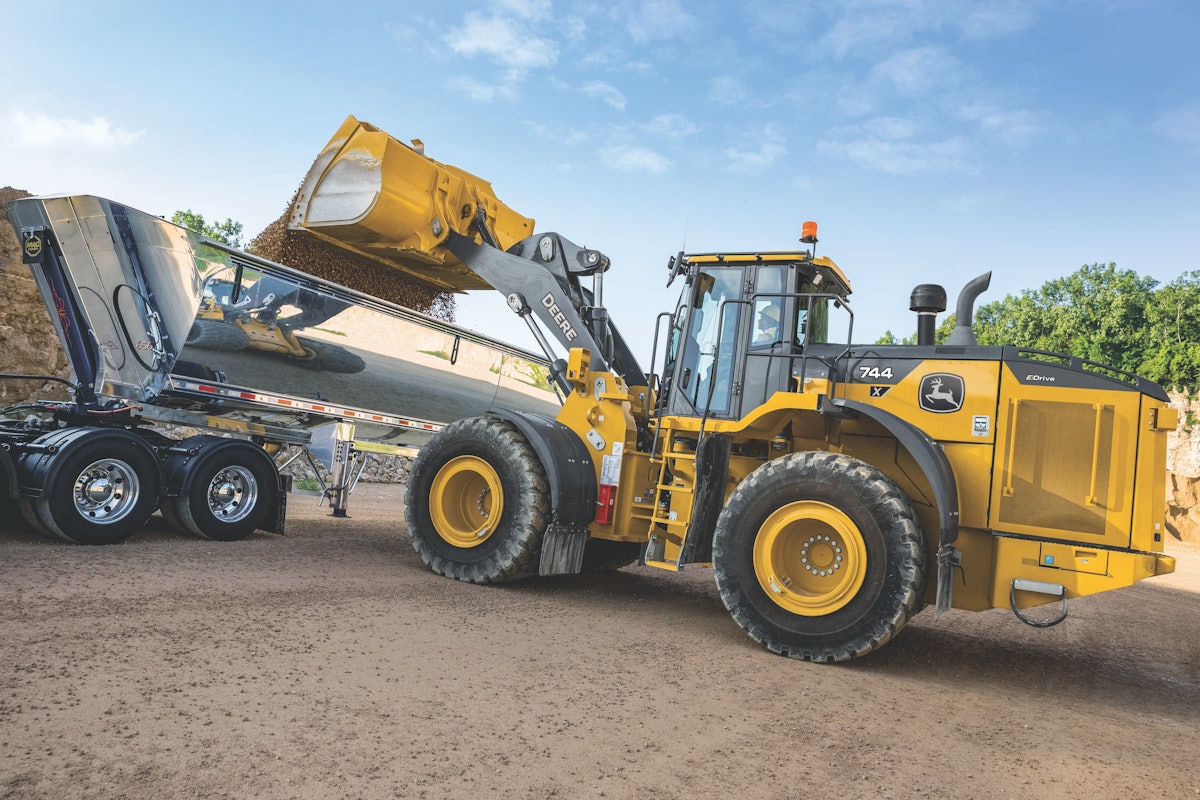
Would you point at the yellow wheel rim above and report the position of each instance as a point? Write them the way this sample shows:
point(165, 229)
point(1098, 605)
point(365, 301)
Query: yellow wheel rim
point(810, 558)
point(466, 501)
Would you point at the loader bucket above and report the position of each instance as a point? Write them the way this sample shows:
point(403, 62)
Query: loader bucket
point(379, 198)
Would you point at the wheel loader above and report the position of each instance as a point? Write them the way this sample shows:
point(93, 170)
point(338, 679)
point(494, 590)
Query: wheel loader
point(253, 322)
point(834, 488)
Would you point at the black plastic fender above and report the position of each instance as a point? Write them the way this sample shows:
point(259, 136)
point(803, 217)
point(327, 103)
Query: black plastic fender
point(936, 467)
point(186, 456)
point(567, 462)
point(8, 472)
point(41, 460)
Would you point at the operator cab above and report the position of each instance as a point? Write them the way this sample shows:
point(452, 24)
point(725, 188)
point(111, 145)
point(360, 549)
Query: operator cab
point(742, 325)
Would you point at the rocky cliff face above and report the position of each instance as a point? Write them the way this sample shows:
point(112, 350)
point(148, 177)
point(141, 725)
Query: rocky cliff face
point(1183, 461)
point(28, 346)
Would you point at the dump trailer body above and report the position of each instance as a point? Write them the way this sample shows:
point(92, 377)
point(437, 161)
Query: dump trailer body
point(125, 301)
point(161, 324)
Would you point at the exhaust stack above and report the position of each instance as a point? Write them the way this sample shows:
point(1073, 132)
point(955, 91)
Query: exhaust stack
point(963, 334)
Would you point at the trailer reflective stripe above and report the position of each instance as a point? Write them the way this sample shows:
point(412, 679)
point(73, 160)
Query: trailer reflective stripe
point(293, 403)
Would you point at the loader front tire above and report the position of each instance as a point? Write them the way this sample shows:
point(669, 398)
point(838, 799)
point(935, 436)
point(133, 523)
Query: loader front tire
point(819, 556)
point(478, 502)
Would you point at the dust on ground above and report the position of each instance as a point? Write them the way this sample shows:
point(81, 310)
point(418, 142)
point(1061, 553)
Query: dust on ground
point(330, 663)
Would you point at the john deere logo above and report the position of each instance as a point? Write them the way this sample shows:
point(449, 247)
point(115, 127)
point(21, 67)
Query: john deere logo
point(33, 246)
point(942, 393)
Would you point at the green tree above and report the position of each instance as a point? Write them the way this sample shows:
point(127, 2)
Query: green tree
point(940, 334)
point(1112, 316)
point(1097, 313)
point(1172, 356)
point(229, 232)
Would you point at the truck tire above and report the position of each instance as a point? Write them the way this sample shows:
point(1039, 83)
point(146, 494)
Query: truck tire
point(478, 502)
point(819, 556)
point(330, 357)
point(213, 334)
point(98, 485)
point(605, 555)
point(228, 489)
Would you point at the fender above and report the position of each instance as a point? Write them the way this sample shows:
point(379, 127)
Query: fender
point(565, 458)
point(936, 467)
point(8, 473)
point(42, 462)
point(186, 456)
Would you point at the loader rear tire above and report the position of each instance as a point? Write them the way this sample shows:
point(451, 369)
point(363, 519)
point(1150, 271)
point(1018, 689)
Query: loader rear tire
point(478, 502)
point(819, 556)
point(213, 334)
point(330, 357)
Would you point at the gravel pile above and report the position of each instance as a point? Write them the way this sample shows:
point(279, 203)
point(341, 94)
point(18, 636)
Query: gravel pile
point(300, 251)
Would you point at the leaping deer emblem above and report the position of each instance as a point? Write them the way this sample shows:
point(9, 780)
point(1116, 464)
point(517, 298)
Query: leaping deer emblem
point(936, 393)
point(942, 394)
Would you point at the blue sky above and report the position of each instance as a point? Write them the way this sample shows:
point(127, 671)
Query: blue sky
point(932, 140)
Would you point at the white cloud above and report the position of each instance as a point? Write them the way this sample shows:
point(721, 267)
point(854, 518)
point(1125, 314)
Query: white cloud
point(507, 41)
point(1012, 127)
point(770, 149)
point(671, 126)
point(653, 20)
point(532, 10)
point(1181, 124)
point(868, 28)
point(569, 136)
point(34, 129)
point(481, 92)
point(985, 20)
point(606, 92)
point(574, 28)
point(890, 145)
point(635, 159)
point(919, 70)
point(727, 91)
point(889, 128)
point(868, 25)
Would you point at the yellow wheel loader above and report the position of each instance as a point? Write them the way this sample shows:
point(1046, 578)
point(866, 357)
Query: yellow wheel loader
point(252, 322)
point(834, 488)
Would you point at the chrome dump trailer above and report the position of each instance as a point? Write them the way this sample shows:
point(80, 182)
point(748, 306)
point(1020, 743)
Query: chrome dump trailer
point(199, 371)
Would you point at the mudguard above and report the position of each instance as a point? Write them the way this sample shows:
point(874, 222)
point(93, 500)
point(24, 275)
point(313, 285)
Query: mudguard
point(43, 460)
point(187, 455)
point(8, 473)
point(936, 467)
point(568, 465)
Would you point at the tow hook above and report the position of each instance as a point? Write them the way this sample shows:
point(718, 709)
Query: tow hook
point(1055, 589)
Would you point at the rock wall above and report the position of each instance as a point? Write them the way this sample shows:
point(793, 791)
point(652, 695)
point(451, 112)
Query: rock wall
point(1183, 463)
point(28, 345)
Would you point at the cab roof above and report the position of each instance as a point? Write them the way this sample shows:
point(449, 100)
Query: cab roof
point(819, 269)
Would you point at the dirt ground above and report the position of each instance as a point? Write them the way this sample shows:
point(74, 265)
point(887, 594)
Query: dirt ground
point(330, 663)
